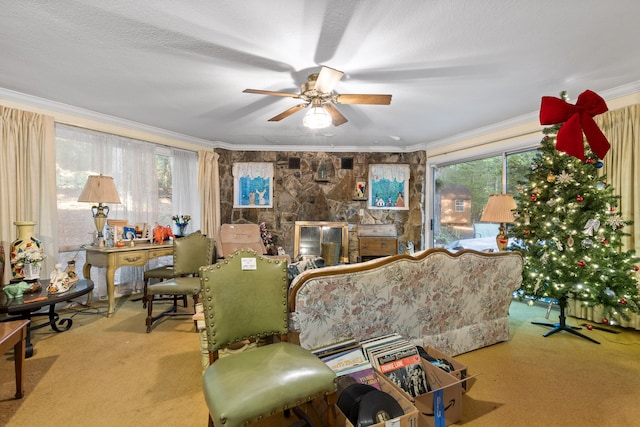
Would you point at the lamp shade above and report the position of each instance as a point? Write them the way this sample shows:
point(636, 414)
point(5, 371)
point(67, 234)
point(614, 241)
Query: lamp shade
point(317, 117)
point(99, 189)
point(499, 209)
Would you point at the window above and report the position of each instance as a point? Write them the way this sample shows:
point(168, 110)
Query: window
point(153, 181)
point(461, 192)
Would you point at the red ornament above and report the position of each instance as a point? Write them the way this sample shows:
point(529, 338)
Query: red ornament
point(636, 268)
point(527, 232)
point(589, 327)
point(623, 301)
point(605, 320)
point(534, 197)
point(581, 263)
point(605, 242)
point(612, 209)
point(590, 161)
point(579, 198)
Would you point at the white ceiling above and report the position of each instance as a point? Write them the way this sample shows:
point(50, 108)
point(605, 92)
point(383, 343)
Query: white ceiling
point(452, 66)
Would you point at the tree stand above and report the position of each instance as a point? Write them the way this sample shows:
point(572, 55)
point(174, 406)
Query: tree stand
point(562, 326)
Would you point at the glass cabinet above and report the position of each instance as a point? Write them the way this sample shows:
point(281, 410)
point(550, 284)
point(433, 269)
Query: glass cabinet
point(310, 235)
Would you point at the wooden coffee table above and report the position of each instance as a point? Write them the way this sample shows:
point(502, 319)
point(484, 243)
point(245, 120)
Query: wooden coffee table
point(26, 307)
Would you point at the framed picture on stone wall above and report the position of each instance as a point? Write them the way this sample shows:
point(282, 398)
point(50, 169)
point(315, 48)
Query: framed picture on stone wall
point(253, 185)
point(389, 187)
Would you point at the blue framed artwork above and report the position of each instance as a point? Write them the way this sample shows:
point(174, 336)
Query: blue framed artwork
point(389, 187)
point(253, 185)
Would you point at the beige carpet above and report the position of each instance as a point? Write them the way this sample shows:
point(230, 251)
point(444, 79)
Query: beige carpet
point(108, 372)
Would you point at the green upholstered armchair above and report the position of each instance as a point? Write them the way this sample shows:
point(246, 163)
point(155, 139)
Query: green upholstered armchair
point(166, 272)
point(189, 254)
point(245, 298)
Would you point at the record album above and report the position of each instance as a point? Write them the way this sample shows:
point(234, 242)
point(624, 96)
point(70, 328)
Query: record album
point(364, 405)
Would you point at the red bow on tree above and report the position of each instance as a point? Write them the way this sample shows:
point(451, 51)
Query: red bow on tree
point(577, 119)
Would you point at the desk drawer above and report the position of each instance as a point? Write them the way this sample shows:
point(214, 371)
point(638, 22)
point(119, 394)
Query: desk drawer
point(131, 258)
point(378, 246)
point(156, 253)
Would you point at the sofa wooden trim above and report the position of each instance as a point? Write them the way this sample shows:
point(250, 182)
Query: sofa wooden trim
point(298, 281)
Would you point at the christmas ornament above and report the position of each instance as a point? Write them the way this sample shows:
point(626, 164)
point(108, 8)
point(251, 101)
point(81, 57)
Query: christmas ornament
point(599, 165)
point(590, 161)
point(623, 301)
point(587, 243)
point(551, 177)
point(608, 292)
point(591, 226)
point(577, 119)
point(581, 263)
point(579, 199)
point(600, 185)
point(589, 327)
point(570, 241)
point(615, 221)
point(636, 268)
point(564, 178)
point(605, 320)
point(551, 202)
point(534, 197)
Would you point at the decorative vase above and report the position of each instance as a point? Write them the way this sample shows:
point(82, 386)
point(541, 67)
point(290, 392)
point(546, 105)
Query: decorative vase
point(182, 229)
point(31, 271)
point(26, 242)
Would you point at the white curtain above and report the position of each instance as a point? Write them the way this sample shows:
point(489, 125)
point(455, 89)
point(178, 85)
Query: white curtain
point(133, 166)
point(27, 180)
point(185, 197)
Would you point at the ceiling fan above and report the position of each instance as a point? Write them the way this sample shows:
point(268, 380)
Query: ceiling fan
point(317, 92)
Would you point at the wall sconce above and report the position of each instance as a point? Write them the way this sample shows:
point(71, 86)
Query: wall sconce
point(499, 209)
point(99, 189)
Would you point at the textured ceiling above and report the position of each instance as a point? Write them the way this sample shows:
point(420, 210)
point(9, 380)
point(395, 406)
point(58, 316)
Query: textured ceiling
point(452, 66)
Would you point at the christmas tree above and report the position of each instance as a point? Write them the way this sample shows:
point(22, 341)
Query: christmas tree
point(568, 228)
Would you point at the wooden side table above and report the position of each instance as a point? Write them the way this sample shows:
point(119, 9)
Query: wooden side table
point(14, 334)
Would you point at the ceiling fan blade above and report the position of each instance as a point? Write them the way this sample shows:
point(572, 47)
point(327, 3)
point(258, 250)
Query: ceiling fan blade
point(363, 99)
point(336, 116)
point(287, 113)
point(327, 79)
point(270, 92)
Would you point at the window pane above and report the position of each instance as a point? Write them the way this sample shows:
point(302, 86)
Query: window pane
point(468, 184)
point(461, 193)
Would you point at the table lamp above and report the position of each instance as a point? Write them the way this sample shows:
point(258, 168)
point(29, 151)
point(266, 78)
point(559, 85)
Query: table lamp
point(499, 209)
point(99, 189)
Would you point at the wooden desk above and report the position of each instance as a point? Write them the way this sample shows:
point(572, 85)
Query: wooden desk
point(14, 334)
point(114, 258)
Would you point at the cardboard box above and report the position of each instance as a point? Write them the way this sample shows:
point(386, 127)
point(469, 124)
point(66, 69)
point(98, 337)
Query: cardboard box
point(409, 419)
point(441, 406)
point(460, 369)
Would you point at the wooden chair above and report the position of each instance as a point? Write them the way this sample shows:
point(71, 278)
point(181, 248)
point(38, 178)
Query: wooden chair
point(161, 273)
point(189, 254)
point(245, 297)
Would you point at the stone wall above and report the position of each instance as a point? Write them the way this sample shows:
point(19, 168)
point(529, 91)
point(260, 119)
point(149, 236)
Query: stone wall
point(299, 196)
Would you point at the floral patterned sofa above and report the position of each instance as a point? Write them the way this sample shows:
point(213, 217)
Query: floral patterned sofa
point(456, 302)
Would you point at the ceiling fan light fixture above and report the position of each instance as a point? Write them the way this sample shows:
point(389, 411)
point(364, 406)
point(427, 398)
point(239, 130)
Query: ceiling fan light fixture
point(316, 118)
